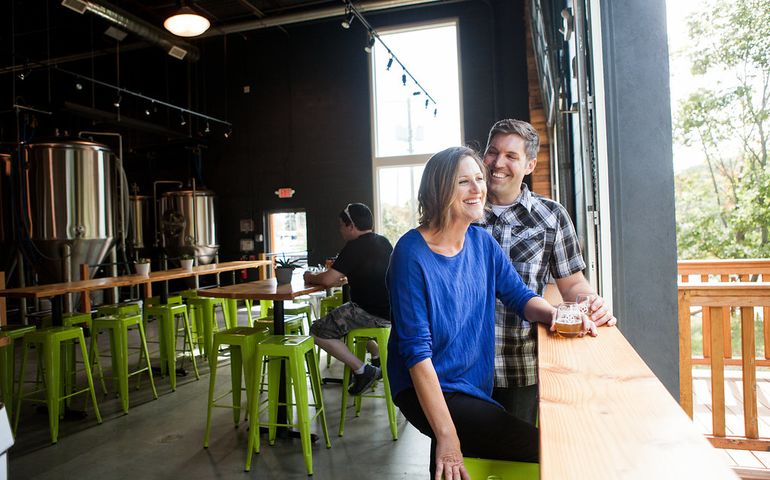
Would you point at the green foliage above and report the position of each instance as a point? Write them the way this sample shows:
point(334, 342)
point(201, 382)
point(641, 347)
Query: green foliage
point(285, 262)
point(723, 208)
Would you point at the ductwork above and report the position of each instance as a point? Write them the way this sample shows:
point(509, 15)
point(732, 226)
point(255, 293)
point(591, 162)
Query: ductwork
point(168, 42)
point(319, 14)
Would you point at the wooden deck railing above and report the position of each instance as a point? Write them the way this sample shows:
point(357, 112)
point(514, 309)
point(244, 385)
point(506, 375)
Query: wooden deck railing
point(721, 286)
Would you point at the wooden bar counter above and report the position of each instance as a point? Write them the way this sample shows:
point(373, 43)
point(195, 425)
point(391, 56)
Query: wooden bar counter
point(605, 415)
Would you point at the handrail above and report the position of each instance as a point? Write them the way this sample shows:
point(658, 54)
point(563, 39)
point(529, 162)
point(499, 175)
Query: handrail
point(717, 299)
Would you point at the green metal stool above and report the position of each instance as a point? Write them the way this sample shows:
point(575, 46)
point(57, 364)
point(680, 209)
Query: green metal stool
point(118, 309)
point(118, 328)
point(291, 309)
point(243, 344)
point(292, 324)
point(167, 315)
point(50, 342)
point(231, 307)
point(326, 305)
point(482, 468)
point(203, 317)
point(356, 341)
point(7, 362)
point(292, 349)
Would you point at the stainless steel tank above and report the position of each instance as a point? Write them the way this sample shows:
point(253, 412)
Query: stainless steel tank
point(140, 236)
point(187, 224)
point(70, 195)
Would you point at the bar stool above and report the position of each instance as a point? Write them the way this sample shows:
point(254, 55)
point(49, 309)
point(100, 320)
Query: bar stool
point(501, 469)
point(356, 341)
point(50, 342)
point(167, 315)
point(291, 349)
point(118, 309)
point(203, 313)
point(243, 344)
point(327, 304)
point(266, 310)
point(118, 326)
point(7, 362)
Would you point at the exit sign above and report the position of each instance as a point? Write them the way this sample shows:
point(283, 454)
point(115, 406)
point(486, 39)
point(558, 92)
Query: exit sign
point(286, 192)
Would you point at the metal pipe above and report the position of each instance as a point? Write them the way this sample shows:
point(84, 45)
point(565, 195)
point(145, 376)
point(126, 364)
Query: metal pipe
point(22, 284)
point(136, 25)
point(67, 270)
point(320, 14)
point(155, 204)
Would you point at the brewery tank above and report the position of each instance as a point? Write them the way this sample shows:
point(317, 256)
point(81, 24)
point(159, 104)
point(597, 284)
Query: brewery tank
point(188, 225)
point(70, 199)
point(140, 230)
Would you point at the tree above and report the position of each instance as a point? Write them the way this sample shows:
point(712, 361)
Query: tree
point(725, 212)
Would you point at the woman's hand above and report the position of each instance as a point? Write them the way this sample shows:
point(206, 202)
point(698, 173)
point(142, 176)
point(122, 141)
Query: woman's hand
point(449, 460)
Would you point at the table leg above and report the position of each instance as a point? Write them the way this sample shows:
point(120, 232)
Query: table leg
point(57, 311)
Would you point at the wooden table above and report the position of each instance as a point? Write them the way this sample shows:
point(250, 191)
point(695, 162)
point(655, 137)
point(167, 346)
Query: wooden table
point(55, 291)
point(269, 290)
point(605, 415)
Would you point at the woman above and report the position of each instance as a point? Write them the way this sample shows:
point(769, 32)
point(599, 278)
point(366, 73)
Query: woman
point(442, 280)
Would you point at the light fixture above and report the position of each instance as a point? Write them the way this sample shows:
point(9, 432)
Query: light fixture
point(229, 132)
point(207, 129)
point(416, 92)
point(426, 103)
point(186, 23)
point(390, 64)
point(117, 101)
point(182, 120)
point(348, 20)
point(403, 78)
point(369, 43)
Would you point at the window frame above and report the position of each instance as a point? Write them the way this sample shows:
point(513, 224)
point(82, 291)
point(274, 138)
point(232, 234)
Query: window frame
point(415, 159)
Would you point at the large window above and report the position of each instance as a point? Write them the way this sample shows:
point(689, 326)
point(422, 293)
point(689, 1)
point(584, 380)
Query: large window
point(405, 132)
point(287, 234)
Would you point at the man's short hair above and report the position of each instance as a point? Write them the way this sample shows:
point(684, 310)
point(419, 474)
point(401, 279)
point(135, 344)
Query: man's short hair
point(526, 131)
point(359, 215)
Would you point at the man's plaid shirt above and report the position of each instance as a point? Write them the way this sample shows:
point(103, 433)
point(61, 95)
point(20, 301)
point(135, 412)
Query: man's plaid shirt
point(540, 239)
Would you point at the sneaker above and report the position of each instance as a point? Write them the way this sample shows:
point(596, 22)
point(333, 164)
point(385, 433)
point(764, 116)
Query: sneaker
point(364, 380)
point(375, 362)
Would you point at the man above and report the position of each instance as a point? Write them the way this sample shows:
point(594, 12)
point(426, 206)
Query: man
point(541, 242)
point(364, 261)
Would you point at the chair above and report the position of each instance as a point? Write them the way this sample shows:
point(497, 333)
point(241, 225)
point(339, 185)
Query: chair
point(243, 344)
point(118, 326)
point(482, 468)
point(356, 340)
point(291, 349)
point(266, 310)
point(49, 343)
point(7, 362)
point(203, 313)
point(167, 315)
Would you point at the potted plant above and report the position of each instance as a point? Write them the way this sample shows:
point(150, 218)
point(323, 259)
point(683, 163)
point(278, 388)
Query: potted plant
point(142, 267)
point(284, 269)
point(186, 261)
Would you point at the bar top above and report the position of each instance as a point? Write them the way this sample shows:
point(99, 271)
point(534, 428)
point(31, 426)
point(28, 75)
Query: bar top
point(263, 290)
point(605, 415)
point(53, 289)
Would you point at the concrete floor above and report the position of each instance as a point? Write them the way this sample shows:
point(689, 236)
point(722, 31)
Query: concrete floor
point(164, 438)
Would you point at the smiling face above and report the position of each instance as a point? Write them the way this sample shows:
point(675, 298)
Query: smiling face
point(469, 193)
point(507, 162)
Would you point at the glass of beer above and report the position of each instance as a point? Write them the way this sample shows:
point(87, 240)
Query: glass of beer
point(569, 319)
point(584, 301)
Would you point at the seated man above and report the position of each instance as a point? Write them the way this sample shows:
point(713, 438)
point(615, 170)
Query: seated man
point(364, 261)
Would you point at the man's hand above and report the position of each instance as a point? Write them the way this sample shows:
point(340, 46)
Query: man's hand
point(600, 313)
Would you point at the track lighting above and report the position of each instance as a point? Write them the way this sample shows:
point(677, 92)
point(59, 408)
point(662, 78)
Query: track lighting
point(435, 112)
point(78, 86)
point(117, 101)
point(403, 78)
point(182, 121)
point(390, 64)
point(426, 103)
point(369, 43)
point(207, 129)
point(229, 132)
point(348, 20)
point(416, 92)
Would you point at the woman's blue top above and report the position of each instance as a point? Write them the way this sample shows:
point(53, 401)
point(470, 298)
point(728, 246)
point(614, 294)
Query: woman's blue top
point(443, 308)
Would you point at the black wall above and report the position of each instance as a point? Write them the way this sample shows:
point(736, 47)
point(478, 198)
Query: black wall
point(306, 121)
point(304, 124)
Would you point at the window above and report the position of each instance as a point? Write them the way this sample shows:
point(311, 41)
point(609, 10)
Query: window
point(287, 234)
point(405, 132)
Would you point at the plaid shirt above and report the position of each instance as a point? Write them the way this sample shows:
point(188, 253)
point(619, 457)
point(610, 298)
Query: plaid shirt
point(541, 241)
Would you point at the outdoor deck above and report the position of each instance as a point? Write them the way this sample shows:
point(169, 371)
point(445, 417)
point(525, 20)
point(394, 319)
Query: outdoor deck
point(748, 463)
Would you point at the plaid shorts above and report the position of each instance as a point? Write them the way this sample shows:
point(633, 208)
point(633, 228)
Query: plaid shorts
point(341, 320)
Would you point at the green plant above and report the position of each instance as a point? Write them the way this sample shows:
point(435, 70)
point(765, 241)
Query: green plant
point(287, 263)
point(143, 260)
point(186, 256)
